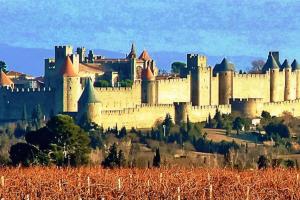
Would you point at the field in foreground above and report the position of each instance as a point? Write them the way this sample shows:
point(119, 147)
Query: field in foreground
point(174, 183)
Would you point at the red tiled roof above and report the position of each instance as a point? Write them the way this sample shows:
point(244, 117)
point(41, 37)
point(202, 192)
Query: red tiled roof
point(145, 56)
point(13, 73)
point(68, 69)
point(147, 74)
point(4, 80)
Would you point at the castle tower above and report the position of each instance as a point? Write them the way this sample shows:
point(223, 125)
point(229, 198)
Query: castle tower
point(200, 79)
point(296, 69)
point(274, 78)
point(287, 86)
point(148, 85)
point(81, 52)
point(89, 105)
point(226, 71)
point(181, 112)
point(132, 53)
point(145, 56)
point(5, 81)
point(71, 88)
point(91, 56)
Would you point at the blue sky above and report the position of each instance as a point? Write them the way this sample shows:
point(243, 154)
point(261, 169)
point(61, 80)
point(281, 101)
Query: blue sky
point(214, 27)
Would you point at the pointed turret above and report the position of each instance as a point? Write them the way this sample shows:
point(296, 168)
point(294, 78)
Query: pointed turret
point(88, 94)
point(145, 56)
point(68, 69)
point(295, 65)
point(147, 74)
point(270, 64)
point(4, 80)
point(224, 66)
point(89, 106)
point(285, 65)
point(132, 53)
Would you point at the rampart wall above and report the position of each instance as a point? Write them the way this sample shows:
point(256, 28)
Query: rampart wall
point(147, 116)
point(277, 108)
point(201, 113)
point(173, 90)
point(215, 90)
point(116, 98)
point(252, 86)
point(143, 116)
point(12, 102)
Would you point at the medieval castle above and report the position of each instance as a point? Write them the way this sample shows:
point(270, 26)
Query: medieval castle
point(70, 85)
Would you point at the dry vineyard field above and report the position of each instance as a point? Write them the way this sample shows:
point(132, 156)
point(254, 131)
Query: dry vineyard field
point(164, 183)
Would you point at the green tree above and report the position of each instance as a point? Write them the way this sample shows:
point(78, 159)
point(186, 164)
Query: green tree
point(121, 159)
point(238, 124)
point(111, 160)
point(266, 115)
point(126, 83)
point(37, 117)
point(280, 129)
point(218, 119)
point(24, 114)
point(23, 153)
point(3, 66)
point(122, 132)
point(102, 83)
point(289, 163)
point(63, 140)
point(263, 162)
point(176, 67)
point(168, 123)
point(156, 158)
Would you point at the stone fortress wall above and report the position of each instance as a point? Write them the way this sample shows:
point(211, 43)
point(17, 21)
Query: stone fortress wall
point(147, 116)
point(195, 95)
point(13, 101)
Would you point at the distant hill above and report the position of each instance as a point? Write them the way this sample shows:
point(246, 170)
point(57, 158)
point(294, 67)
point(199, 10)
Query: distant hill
point(31, 60)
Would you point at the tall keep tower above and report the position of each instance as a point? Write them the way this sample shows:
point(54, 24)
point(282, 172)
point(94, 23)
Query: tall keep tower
point(69, 91)
point(89, 105)
point(296, 69)
point(226, 71)
point(287, 86)
point(200, 79)
point(148, 85)
point(274, 78)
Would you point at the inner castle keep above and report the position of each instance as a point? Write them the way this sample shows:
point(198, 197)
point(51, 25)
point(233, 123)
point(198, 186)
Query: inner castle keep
point(72, 85)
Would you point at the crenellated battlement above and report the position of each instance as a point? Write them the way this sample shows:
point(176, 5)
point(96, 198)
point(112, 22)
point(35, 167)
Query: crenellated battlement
point(207, 107)
point(246, 100)
point(196, 56)
point(112, 61)
point(173, 80)
point(63, 47)
point(137, 108)
point(119, 89)
point(295, 101)
point(24, 90)
point(260, 76)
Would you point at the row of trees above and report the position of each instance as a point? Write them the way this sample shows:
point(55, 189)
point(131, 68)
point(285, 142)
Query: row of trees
point(228, 122)
point(60, 142)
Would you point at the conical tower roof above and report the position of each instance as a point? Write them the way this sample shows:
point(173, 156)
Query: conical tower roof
point(88, 94)
point(270, 64)
point(145, 56)
point(295, 65)
point(68, 69)
point(285, 65)
point(147, 74)
point(4, 80)
point(224, 66)
point(132, 53)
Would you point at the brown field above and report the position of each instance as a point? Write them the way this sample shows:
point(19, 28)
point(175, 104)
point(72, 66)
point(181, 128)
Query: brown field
point(173, 183)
